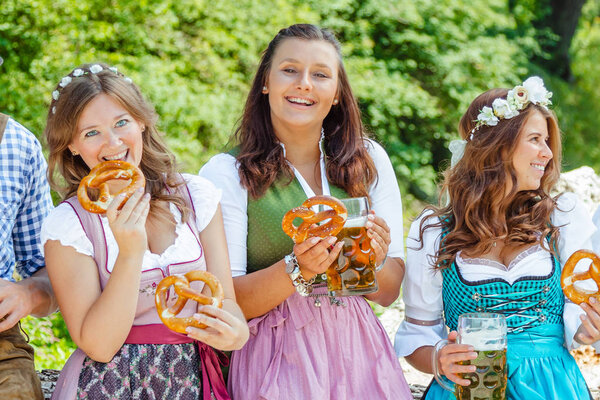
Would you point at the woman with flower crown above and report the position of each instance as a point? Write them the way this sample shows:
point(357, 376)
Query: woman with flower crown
point(301, 135)
point(497, 245)
point(105, 268)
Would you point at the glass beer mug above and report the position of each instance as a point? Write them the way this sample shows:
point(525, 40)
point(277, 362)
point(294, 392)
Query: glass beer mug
point(353, 273)
point(486, 332)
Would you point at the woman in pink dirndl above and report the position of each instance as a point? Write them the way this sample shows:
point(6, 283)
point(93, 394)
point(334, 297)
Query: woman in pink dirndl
point(301, 135)
point(105, 267)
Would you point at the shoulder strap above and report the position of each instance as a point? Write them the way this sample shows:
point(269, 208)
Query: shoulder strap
point(3, 122)
point(92, 226)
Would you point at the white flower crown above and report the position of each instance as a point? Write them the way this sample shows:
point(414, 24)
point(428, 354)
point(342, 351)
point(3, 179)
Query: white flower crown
point(77, 72)
point(530, 91)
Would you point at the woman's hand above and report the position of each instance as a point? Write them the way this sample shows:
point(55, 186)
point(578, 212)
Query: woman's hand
point(450, 355)
point(316, 254)
point(379, 233)
point(128, 225)
point(589, 330)
point(223, 330)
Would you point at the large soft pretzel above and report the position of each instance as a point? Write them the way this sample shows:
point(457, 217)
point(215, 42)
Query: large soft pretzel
point(97, 178)
point(337, 217)
point(181, 285)
point(568, 277)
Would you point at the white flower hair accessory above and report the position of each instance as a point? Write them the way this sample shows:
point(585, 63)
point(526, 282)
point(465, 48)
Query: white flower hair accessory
point(77, 72)
point(530, 91)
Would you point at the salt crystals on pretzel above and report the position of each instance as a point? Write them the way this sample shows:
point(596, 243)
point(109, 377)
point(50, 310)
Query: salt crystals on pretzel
point(181, 286)
point(337, 217)
point(569, 277)
point(98, 178)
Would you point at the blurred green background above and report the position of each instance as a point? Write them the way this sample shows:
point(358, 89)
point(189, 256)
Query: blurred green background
point(414, 65)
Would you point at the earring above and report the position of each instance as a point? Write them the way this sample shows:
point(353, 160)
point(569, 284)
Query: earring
point(265, 90)
point(335, 101)
point(74, 153)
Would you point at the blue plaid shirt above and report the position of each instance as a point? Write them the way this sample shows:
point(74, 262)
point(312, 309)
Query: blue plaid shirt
point(24, 201)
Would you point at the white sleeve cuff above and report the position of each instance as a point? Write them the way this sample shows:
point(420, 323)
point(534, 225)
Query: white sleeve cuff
point(410, 337)
point(571, 318)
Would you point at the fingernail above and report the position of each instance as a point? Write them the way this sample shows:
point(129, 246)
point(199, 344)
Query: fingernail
point(147, 196)
point(371, 217)
point(471, 348)
point(583, 317)
point(473, 354)
point(593, 300)
point(332, 240)
point(314, 240)
point(369, 225)
point(139, 190)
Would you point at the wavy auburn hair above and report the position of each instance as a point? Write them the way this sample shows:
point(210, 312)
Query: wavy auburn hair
point(261, 159)
point(157, 163)
point(480, 210)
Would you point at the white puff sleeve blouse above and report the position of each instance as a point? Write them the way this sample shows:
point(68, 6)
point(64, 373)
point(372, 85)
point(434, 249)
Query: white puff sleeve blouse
point(422, 290)
point(62, 224)
point(222, 171)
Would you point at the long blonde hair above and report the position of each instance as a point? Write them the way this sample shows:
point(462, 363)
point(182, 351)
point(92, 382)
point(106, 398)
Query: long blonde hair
point(157, 163)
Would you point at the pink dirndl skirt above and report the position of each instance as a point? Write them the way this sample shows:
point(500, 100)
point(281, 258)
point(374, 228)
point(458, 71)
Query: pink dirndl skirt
point(301, 351)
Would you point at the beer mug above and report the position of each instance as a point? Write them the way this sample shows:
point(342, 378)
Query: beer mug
point(353, 273)
point(486, 332)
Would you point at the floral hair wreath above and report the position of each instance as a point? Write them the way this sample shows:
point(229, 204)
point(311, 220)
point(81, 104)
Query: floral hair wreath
point(517, 99)
point(77, 72)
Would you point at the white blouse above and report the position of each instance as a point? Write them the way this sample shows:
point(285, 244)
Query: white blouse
point(222, 171)
point(62, 224)
point(596, 237)
point(422, 287)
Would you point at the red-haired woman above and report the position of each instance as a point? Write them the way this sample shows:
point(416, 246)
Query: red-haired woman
point(498, 246)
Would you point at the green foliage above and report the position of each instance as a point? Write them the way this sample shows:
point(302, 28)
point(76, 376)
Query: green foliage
point(50, 340)
point(577, 103)
point(414, 65)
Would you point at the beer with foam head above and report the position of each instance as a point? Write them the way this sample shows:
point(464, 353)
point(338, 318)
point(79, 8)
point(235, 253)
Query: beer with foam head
point(486, 332)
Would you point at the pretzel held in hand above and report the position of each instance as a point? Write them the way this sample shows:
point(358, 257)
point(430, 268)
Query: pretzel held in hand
point(97, 178)
point(181, 284)
point(337, 217)
point(568, 277)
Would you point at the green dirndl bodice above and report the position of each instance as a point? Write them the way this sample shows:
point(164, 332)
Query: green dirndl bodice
point(267, 243)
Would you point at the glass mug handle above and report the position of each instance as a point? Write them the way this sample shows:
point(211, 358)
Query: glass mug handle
point(441, 379)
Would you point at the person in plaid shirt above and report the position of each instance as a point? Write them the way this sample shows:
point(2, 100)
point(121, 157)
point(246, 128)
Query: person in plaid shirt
point(24, 202)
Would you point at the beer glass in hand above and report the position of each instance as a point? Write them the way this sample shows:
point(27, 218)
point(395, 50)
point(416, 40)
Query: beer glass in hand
point(353, 273)
point(486, 332)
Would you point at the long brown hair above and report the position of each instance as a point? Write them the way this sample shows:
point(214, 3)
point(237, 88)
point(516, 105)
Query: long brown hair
point(157, 163)
point(261, 158)
point(479, 210)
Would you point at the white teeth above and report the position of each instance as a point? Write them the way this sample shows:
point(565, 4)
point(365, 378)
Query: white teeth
point(301, 101)
point(540, 167)
point(116, 156)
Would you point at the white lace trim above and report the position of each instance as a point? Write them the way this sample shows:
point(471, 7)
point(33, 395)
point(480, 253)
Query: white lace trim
point(496, 264)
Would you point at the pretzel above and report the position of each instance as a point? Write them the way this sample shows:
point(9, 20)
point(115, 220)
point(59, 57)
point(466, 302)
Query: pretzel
point(181, 284)
point(97, 178)
point(568, 277)
point(337, 217)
